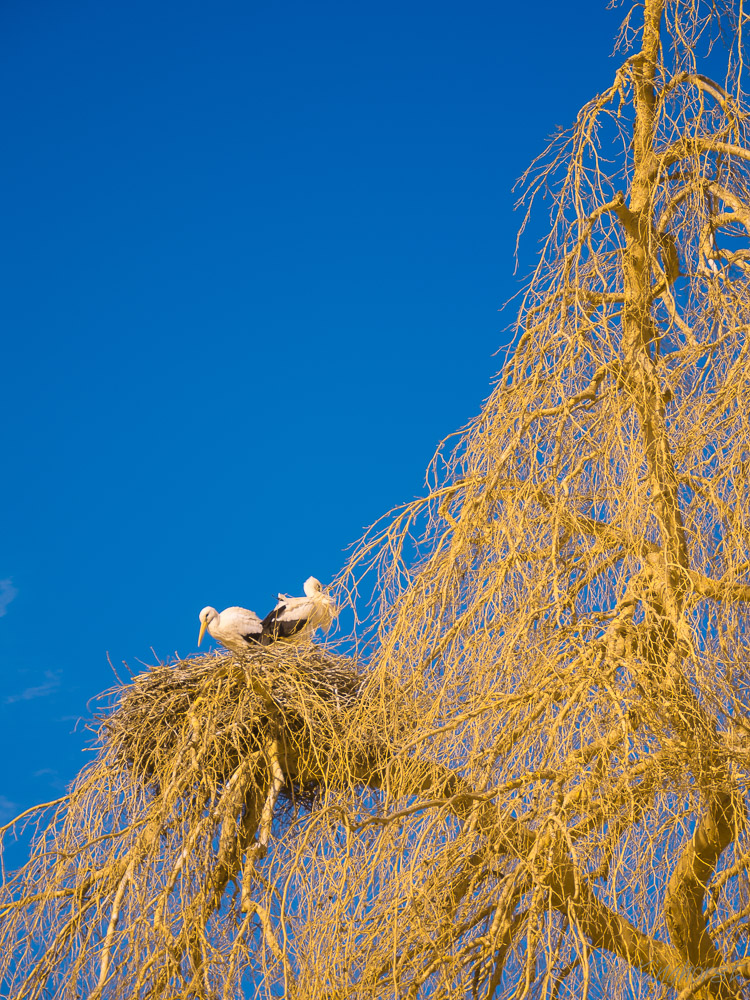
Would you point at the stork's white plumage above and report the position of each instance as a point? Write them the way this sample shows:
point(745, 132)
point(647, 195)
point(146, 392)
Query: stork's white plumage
point(236, 628)
point(297, 617)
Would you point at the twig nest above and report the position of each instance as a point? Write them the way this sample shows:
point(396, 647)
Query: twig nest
point(217, 710)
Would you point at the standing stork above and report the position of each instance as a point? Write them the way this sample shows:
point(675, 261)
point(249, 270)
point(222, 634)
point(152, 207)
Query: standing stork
point(236, 628)
point(297, 617)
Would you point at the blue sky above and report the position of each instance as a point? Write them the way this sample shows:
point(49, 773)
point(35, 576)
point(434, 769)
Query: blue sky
point(253, 256)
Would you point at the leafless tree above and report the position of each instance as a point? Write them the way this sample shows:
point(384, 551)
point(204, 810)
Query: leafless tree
point(538, 784)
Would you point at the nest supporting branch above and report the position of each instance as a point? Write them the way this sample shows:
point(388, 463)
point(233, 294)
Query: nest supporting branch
point(158, 850)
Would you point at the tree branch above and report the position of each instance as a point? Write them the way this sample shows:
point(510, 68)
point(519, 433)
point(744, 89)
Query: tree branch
point(683, 907)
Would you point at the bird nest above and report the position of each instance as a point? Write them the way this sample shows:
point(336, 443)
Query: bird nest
point(212, 712)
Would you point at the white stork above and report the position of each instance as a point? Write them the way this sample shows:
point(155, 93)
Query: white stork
point(297, 617)
point(236, 628)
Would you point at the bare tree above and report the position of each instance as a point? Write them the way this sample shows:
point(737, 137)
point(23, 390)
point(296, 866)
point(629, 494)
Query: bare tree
point(538, 787)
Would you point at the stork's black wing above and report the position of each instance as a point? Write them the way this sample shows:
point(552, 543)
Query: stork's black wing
point(252, 637)
point(281, 623)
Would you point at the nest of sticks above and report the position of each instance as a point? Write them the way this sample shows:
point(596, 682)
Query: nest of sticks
point(214, 711)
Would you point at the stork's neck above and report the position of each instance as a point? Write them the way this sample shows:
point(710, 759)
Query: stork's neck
point(214, 624)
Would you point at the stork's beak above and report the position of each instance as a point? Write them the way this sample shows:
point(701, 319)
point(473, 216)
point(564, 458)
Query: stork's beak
point(202, 632)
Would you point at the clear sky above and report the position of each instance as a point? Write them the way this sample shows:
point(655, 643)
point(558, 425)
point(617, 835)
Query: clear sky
point(253, 255)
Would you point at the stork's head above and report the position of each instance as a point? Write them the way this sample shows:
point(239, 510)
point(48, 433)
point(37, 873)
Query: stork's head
point(312, 587)
point(207, 615)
